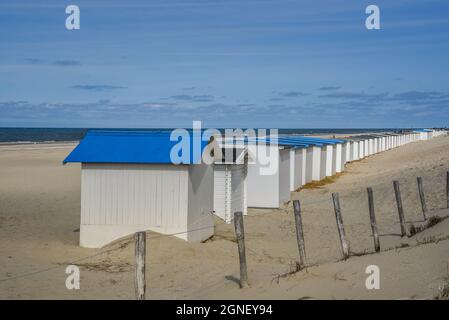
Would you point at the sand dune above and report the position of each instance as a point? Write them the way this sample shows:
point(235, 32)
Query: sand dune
point(39, 218)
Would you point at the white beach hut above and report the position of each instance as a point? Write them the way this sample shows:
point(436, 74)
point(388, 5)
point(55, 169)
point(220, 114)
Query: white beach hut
point(345, 155)
point(130, 183)
point(337, 155)
point(313, 164)
point(362, 149)
point(272, 188)
point(230, 186)
point(355, 150)
point(366, 147)
point(326, 161)
point(298, 159)
point(424, 134)
point(229, 190)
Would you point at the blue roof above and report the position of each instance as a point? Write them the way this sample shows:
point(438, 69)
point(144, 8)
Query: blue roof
point(313, 140)
point(423, 130)
point(277, 141)
point(296, 141)
point(133, 147)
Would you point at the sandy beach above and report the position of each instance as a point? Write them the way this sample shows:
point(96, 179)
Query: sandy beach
point(40, 217)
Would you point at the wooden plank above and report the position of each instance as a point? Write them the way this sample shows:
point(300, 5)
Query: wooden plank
point(340, 226)
point(240, 235)
point(372, 217)
point(299, 234)
point(397, 193)
point(139, 269)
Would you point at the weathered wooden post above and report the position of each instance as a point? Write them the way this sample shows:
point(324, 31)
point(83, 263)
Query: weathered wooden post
point(422, 198)
point(447, 188)
point(139, 268)
point(299, 234)
point(240, 235)
point(397, 193)
point(372, 217)
point(341, 229)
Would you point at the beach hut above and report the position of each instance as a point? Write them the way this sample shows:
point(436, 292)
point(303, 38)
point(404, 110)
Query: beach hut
point(344, 154)
point(371, 146)
point(230, 186)
point(313, 164)
point(229, 190)
point(130, 183)
point(355, 150)
point(362, 149)
point(272, 189)
point(365, 145)
point(323, 157)
point(390, 141)
point(298, 158)
point(297, 161)
point(337, 155)
point(330, 159)
point(383, 145)
point(424, 134)
point(326, 161)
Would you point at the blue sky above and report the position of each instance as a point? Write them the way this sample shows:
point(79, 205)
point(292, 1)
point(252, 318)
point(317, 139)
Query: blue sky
point(236, 63)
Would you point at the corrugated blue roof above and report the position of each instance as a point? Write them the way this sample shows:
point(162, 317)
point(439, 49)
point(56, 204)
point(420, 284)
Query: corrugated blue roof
point(278, 141)
point(297, 141)
point(130, 147)
point(313, 140)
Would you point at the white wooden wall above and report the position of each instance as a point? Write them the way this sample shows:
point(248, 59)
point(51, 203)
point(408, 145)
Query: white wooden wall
point(326, 161)
point(297, 168)
point(125, 194)
point(229, 190)
point(313, 164)
point(201, 202)
point(238, 192)
point(221, 190)
point(336, 158)
point(284, 176)
point(120, 199)
point(263, 190)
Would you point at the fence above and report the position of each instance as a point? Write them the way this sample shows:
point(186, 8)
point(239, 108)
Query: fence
point(427, 221)
point(338, 203)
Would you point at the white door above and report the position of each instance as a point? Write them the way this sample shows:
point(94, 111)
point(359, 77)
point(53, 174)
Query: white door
point(220, 186)
point(237, 191)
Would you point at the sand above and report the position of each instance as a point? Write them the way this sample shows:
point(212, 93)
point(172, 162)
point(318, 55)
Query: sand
point(39, 221)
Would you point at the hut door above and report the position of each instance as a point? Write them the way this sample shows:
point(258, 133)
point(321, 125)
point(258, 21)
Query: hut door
point(237, 189)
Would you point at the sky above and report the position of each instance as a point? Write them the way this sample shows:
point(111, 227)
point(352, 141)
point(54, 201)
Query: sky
point(227, 63)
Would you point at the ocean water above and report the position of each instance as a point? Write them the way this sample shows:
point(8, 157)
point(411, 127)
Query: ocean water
point(33, 135)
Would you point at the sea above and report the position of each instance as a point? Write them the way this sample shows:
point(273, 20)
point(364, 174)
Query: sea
point(48, 135)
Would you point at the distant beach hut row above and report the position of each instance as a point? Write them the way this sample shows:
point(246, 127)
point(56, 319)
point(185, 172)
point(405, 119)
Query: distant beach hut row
point(129, 182)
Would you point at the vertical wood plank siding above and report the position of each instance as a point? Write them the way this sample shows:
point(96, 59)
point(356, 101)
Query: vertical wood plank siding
point(133, 194)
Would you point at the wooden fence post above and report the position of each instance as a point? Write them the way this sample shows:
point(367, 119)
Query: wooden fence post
point(397, 193)
point(341, 229)
point(139, 269)
point(240, 235)
point(447, 188)
point(372, 217)
point(422, 198)
point(299, 234)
